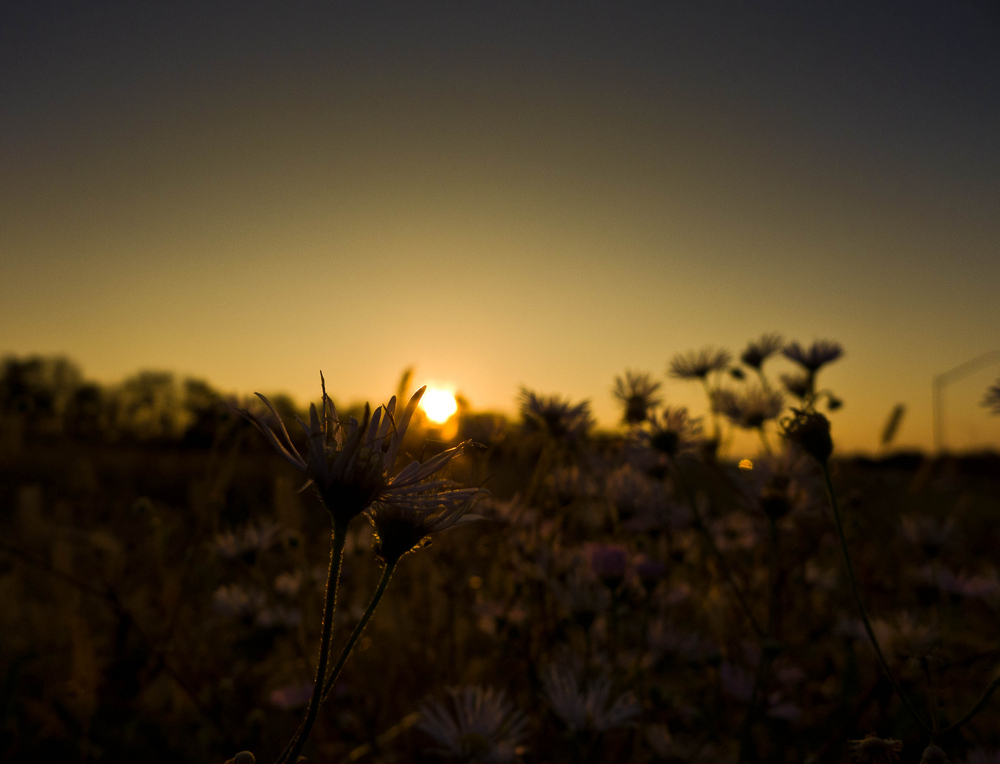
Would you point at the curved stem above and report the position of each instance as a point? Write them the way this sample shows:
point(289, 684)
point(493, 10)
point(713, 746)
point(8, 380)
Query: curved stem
point(861, 608)
point(730, 578)
point(356, 634)
point(332, 583)
point(976, 707)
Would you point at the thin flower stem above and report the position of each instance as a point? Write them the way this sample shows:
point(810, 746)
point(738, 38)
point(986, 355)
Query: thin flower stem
point(976, 707)
point(767, 445)
point(861, 608)
point(356, 634)
point(728, 573)
point(332, 584)
point(723, 565)
point(711, 405)
point(767, 652)
point(542, 466)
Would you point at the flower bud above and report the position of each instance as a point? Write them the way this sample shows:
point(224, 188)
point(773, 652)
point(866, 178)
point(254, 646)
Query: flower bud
point(810, 430)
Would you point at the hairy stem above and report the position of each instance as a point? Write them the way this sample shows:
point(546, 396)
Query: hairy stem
point(356, 634)
point(345, 653)
point(292, 751)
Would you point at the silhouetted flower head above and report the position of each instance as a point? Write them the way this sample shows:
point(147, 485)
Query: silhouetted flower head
point(673, 430)
point(799, 385)
point(875, 749)
point(483, 727)
point(810, 430)
point(351, 466)
point(818, 355)
point(992, 399)
point(749, 408)
point(555, 417)
point(698, 365)
point(637, 392)
point(758, 352)
point(586, 708)
point(405, 522)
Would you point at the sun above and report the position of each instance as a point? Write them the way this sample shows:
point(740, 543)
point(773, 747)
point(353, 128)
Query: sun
point(438, 405)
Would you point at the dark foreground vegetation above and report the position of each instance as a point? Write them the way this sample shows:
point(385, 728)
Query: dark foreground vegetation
point(626, 597)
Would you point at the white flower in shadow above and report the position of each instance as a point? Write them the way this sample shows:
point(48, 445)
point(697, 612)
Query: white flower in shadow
point(482, 726)
point(586, 708)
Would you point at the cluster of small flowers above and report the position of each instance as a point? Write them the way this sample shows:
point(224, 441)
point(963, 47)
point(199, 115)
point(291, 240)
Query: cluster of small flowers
point(626, 559)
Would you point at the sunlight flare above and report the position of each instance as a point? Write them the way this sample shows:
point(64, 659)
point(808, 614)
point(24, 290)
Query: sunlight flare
point(439, 405)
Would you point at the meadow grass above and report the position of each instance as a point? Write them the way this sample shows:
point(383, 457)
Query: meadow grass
point(627, 596)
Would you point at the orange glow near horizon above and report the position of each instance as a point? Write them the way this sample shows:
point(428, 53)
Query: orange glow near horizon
point(439, 405)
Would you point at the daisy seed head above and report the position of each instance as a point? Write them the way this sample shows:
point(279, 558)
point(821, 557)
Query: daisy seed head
point(818, 355)
point(748, 409)
point(673, 430)
point(637, 392)
point(759, 351)
point(560, 420)
point(698, 365)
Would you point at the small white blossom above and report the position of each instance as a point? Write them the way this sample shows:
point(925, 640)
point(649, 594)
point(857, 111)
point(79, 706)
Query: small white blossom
point(484, 727)
point(586, 708)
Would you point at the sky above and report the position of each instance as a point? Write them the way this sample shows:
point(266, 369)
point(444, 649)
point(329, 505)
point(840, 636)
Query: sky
point(507, 194)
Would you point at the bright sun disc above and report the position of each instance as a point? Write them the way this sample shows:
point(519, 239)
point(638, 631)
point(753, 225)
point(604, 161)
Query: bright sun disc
point(439, 405)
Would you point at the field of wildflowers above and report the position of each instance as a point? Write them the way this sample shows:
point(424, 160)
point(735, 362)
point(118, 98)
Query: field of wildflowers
point(533, 590)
